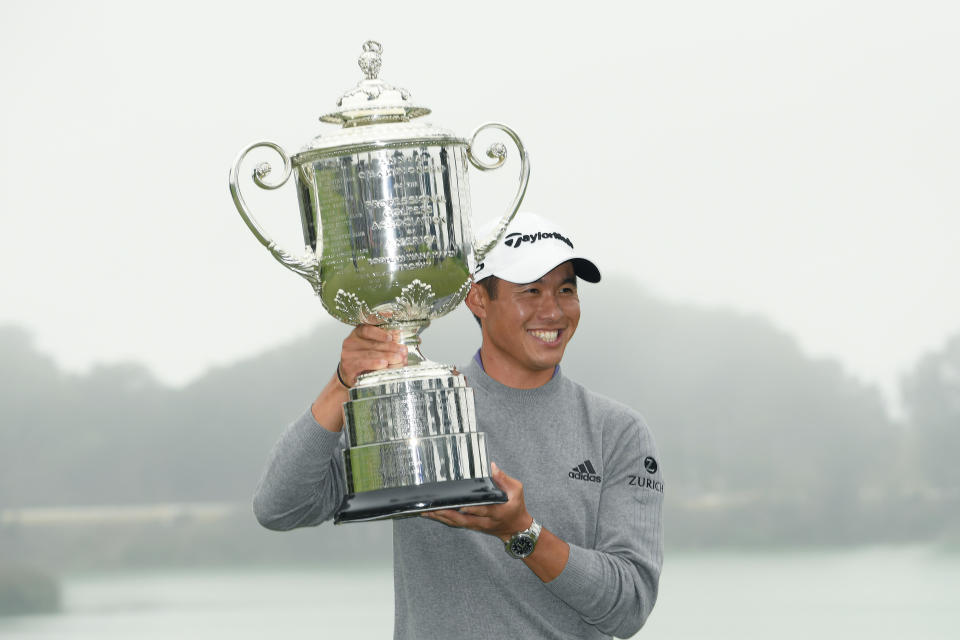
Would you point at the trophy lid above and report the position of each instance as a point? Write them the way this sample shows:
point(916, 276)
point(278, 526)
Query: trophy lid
point(375, 114)
point(373, 100)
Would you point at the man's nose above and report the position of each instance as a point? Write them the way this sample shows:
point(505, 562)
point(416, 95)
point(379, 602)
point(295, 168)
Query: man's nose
point(549, 308)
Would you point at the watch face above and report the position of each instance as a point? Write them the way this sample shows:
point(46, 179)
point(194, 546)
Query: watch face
point(521, 546)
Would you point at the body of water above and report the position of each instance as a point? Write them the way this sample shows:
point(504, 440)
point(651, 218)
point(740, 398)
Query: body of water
point(879, 594)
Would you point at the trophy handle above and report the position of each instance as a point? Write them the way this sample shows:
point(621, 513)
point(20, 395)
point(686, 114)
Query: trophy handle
point(306, 266)
point(498, 152)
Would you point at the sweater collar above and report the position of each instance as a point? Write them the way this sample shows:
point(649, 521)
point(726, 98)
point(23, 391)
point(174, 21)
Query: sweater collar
point(479, 361)
point(476, 376)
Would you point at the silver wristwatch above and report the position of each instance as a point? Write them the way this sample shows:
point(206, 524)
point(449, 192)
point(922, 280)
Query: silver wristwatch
point(521, 544)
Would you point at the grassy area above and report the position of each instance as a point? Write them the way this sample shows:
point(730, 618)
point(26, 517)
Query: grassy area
point(25, 590)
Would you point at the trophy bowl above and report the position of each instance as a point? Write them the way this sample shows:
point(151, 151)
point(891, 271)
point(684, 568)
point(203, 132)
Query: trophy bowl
point(385, 210)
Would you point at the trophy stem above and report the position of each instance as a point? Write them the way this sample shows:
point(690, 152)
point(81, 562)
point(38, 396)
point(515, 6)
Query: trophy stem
point(416, 366)
point(410, 337)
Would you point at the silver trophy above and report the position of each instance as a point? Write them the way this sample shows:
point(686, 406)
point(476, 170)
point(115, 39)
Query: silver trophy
point(385, 207)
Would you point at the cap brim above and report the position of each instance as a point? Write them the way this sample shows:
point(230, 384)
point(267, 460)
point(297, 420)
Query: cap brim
point(533, 270)
point(586, 270)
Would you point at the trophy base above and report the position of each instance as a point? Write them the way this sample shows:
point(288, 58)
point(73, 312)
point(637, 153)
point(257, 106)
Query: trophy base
point(410, 373)
point(402, 502)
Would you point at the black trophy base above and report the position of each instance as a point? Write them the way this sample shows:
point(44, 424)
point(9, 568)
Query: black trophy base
point(401, 502)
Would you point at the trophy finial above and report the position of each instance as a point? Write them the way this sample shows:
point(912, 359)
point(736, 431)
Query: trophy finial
point(370, 59)
point(373, 100)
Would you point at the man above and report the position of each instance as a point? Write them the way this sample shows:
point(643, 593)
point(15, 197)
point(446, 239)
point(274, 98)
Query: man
point(582, 523)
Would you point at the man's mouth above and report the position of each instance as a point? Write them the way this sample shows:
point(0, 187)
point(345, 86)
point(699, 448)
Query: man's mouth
point(548, 337)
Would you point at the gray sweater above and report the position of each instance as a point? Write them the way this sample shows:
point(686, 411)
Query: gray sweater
point(590, 474)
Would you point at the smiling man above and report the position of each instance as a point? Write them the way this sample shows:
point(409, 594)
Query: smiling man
point(576, 550)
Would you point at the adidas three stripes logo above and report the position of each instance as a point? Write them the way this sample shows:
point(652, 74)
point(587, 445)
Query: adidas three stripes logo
point(584, 471)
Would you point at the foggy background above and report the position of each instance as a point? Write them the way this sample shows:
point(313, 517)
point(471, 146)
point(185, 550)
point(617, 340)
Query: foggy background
point(769, 188)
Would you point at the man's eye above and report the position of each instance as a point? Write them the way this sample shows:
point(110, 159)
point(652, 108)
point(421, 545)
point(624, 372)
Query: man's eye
point(532, 290)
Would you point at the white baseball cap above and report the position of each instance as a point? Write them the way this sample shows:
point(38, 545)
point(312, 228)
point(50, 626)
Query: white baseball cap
point(531, 247)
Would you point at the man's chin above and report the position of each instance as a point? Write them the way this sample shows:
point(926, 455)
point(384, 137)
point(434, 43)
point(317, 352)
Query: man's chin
point(551, 360)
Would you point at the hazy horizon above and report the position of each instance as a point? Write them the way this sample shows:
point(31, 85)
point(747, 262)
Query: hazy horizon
point(890, 389)
point(792, 161)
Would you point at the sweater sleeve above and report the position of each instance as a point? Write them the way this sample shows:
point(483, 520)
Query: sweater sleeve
point(302, 484)
point(614, 585)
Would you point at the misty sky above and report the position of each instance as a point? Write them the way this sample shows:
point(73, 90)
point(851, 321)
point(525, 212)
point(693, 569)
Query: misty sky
point(797, 160)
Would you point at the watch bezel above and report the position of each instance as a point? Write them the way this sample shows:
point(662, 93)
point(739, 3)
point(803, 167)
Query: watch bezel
point(524, 540)
point(529, 536)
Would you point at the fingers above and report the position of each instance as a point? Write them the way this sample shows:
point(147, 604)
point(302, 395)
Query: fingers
point(370, 332)
point(369, 348)
point(457, 518)
point(446, 516)
point(501, 520)
point(482, 511)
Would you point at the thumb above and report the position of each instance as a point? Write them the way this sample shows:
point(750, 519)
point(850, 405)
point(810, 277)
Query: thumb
point(500, 478)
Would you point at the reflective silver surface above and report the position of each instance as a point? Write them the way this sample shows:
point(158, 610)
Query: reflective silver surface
point(408, 385)
point(416, 461)
point(385, 212)
point(385, 208)
point(395, 232)
point(410, 415)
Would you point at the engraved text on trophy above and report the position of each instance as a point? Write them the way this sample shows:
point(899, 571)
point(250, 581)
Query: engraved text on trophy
point(393, 225)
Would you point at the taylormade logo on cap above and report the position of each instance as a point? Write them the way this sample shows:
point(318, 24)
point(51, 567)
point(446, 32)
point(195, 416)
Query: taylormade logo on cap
point(545, 246)
point(516, 239)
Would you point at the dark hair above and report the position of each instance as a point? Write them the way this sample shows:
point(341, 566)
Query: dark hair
point(489, 285)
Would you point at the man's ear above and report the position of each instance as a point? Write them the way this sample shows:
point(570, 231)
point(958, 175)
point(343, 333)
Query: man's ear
point(477, 301)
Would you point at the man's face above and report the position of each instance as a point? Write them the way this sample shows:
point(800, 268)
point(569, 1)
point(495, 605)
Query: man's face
point(527, 326)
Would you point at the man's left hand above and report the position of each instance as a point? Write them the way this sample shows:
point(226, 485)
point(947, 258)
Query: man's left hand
point(501, 520)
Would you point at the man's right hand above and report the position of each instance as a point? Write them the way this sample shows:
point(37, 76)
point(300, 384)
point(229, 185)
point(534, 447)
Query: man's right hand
point(370, 348)
point(367, 348)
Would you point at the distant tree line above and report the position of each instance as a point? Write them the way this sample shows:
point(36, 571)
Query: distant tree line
point(759, 443)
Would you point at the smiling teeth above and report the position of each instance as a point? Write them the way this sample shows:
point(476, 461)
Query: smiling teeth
point(546, 336)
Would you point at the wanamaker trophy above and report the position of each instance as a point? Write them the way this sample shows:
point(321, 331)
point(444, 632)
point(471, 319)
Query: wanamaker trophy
point(385, 208)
